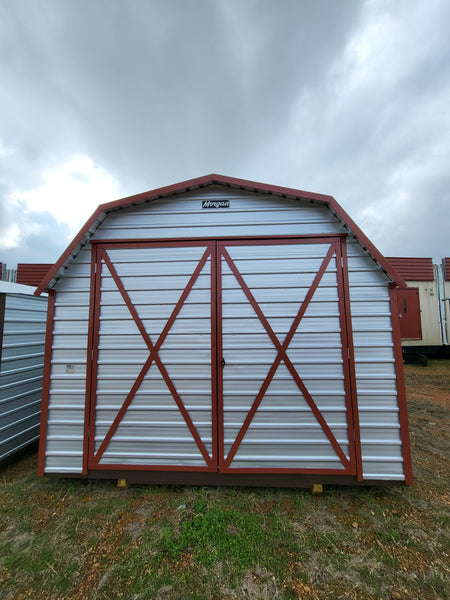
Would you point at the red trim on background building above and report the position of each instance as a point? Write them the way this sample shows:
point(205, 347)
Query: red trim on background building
point(32, 273)
point(46, 382)
point(447, 269)
point(232, 182)
point(408, 308)
point(413, 269)
point(401, 391)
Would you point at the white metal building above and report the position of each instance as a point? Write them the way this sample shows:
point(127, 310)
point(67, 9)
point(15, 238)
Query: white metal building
point(22, 339)
point(227, 332)
point(424, 304)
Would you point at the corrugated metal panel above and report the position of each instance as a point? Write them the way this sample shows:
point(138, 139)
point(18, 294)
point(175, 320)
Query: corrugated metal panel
point(249, 215)
point(21, 368)
point(284, 433)
point(166, 438)
point(381, 449)
point(32, 273)
point(413, 269)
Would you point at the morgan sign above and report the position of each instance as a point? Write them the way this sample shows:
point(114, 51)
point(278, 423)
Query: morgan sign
point(216, 204)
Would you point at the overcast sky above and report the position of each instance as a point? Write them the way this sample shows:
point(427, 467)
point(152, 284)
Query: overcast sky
point(102, 99)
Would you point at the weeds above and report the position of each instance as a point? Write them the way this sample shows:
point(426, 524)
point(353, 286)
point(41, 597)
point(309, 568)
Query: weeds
point(77, 540)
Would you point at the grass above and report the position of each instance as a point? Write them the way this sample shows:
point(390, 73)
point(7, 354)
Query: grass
point(68, 539)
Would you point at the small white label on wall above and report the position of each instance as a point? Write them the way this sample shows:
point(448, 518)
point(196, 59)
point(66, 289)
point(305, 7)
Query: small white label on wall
point(70, 368)
point(215, 204)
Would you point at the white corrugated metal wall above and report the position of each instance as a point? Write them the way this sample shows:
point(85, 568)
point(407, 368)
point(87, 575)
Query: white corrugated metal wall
point(429, 314)
point(22, 363)
point(250, 214)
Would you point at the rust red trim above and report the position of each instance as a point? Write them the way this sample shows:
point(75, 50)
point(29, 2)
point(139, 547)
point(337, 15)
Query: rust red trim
point(46, 382)
point(214, 358)
point(153, 357)
point(232, 182)
point(348, 356)
point(220, 357)
point(96, 264)
point(401, 391)
point(283, 356)
point(251, 240)
point(89, 361)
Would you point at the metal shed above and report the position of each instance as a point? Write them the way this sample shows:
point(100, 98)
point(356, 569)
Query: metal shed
point(22, 339)
point(223, 331)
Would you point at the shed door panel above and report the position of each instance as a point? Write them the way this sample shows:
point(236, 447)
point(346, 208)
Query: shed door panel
point(409, 313)
point(284, 400)
point(152, 379)
point(220, 356)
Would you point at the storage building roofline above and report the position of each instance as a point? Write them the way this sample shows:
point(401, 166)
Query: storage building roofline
point(102, 210)
point(413, 269)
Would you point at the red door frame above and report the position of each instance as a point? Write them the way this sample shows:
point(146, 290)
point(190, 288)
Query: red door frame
point(215, 249)
point(99, 256)
point(337, 249)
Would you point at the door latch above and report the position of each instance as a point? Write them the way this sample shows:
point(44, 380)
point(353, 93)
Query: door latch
point(223, 363)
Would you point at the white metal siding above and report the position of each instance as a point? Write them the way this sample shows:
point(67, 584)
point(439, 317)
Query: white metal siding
point(153, 430)
point(284, 432)
point(429, 314)
point(22, 363)
point(376, 383)
point(250, 214)
point(65, 423)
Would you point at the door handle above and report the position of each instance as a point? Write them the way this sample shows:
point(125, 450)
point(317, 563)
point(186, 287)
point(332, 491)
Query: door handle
point(223, 363)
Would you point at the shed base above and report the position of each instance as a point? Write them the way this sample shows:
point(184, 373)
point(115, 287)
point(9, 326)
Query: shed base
point(235, 480)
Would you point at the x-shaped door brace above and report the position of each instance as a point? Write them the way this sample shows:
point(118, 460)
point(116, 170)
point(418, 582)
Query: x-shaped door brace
point(281, 355)
point(154, 348)
point(153, 357)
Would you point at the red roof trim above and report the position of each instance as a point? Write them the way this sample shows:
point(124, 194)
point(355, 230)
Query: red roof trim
point(31, 273)
point(227, 181)
point(413, 269)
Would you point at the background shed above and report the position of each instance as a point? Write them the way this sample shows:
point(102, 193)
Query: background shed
point(227, 332)
point(22, 338)
point(424, 305)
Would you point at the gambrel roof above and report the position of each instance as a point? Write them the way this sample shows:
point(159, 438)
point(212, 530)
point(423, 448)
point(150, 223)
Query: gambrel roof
point(102, 211)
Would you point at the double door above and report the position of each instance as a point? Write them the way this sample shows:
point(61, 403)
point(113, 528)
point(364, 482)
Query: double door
point(224, 355)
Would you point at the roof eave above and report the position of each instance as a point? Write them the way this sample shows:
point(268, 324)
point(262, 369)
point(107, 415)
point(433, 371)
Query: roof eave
point(100, 213)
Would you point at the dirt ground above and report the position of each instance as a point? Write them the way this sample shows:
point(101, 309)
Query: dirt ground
point(75, 540)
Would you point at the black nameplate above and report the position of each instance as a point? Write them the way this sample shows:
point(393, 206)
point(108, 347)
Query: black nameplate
point(215, 204)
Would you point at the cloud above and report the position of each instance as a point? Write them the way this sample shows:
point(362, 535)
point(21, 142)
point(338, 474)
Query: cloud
point(51, 214)
point(348, 98)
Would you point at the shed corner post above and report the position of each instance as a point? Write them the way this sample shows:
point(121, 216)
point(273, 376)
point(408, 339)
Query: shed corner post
point(46, 382)
point(401, 390)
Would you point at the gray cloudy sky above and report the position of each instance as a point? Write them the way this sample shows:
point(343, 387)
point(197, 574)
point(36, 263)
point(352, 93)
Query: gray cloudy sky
point(108, 98)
